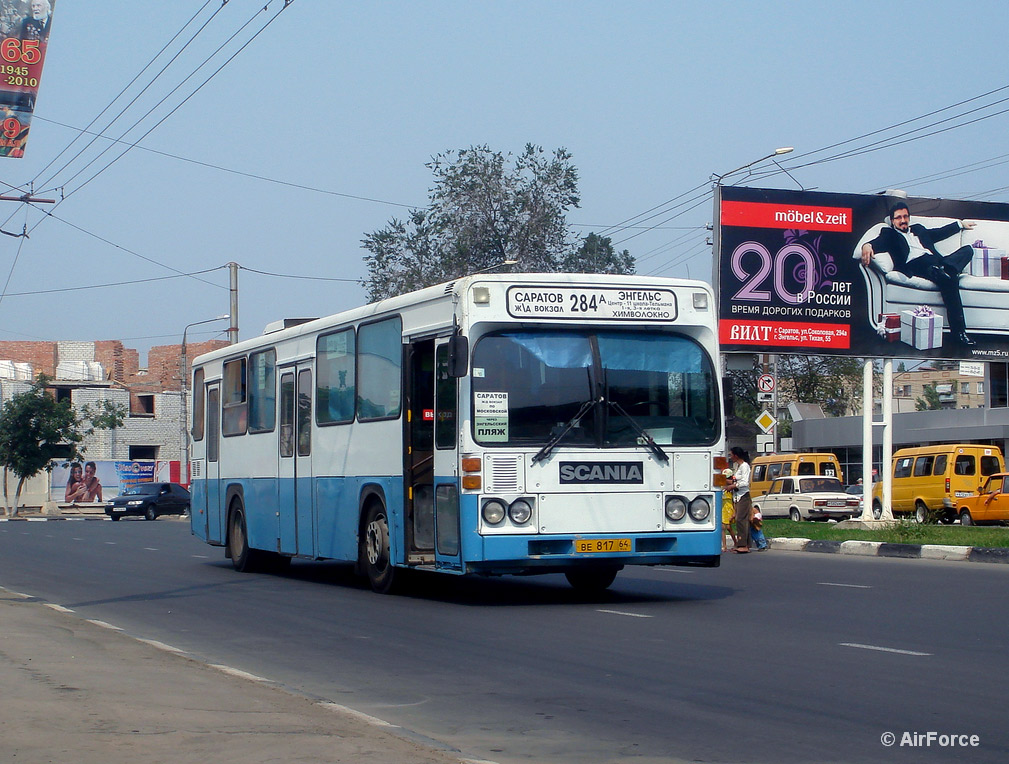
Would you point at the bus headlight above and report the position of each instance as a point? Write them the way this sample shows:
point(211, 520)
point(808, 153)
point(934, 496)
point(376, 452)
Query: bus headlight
point(520, 511)
point(676, 507)
point(699, 509)
point(493, 511)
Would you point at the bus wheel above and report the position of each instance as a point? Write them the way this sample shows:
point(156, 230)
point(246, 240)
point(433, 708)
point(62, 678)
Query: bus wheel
point(591, 580)
point(921, 514)
point(243, 559)
point(375, 556)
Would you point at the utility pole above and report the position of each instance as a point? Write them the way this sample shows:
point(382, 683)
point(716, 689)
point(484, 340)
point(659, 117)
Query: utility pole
point(233, 328)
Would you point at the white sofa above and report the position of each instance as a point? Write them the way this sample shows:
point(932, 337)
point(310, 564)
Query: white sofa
point(985, 298)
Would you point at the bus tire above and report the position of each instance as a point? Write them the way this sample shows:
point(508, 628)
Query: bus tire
point(243, 559)
point(921, 513)
point(374, 553)
point(591, 580)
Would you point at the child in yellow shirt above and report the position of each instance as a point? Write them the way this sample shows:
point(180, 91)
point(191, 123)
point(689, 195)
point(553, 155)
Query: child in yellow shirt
point(728, 514)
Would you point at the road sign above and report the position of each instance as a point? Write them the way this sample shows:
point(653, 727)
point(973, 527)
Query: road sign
point(765, 397)
point(765, 383)
point(765, 421)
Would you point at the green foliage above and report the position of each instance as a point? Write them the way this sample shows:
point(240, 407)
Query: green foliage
point(902, 531)
point(485, 208)
point(834, 382)
point(596, 255)
point(929, 400)
point(35, 428)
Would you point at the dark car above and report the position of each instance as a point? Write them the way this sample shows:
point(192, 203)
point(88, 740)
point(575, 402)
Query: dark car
point(150, 500)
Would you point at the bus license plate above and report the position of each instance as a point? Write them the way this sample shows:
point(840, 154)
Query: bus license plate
point(591, 546)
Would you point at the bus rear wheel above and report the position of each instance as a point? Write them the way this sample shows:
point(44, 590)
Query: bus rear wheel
point(591, 580)
point(376, 558)
point(243, 559)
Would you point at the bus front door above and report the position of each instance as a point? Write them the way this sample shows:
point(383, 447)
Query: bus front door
point(296, 529)
point(448, 552)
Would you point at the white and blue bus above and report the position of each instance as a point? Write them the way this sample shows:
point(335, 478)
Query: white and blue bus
point(496, 424)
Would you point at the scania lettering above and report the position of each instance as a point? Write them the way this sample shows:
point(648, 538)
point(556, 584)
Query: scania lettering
point(497, 424)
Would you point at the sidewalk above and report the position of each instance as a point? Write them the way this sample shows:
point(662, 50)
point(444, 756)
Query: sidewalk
point(77, 691)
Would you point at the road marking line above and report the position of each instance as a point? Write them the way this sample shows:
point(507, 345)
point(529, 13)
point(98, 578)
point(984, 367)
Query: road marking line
point(849, 586)
point(162, 646)
point(883, 649)
point(201, 556)
point(676, 570)
point(150, 549)
point(356, 714)
point(111, 543)
point(58, 608)
point(621, 612)
point(237, 672)
point(103, 624)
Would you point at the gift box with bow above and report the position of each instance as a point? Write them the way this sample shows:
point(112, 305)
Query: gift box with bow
point(987, 261)
point(921, 328)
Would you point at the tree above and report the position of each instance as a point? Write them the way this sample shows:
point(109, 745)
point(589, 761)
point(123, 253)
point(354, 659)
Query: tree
point(36, 430)
point(485, 208)
point(596, 255)
point(834, 382)
point(929, 400)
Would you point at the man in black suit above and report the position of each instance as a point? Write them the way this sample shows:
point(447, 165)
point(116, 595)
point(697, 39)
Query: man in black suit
point(912, 249)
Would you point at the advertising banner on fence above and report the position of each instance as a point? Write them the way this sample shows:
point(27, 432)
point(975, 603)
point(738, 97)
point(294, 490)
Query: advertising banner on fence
point(90, 482)
point(24, 26)
point(868, 276)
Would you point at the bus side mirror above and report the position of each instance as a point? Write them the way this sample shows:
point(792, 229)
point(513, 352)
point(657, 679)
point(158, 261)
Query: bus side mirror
point(458, 356)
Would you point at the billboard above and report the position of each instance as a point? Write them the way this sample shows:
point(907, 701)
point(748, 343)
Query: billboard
point(24, 37)
point(831, 274)
point(93, 482)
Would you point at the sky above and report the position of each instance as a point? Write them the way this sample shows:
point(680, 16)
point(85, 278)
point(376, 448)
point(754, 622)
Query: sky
point(283, 155)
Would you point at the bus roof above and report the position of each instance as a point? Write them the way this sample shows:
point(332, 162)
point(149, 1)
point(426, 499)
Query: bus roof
point(454, 288)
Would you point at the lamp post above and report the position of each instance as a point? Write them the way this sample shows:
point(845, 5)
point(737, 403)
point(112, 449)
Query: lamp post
point(183, 429)
point(775, 153)
point(716, 242)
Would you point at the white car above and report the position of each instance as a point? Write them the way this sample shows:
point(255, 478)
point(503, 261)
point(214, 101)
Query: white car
point(810, 497)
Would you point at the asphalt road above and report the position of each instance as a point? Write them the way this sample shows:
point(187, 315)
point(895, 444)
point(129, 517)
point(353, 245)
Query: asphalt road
point(776, 657)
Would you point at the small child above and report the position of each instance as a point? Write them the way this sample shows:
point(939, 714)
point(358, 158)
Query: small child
point(728, 513)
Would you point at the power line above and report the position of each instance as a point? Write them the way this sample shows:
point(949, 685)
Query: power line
point(112, 284)
point(241, 173)
point(306, 278)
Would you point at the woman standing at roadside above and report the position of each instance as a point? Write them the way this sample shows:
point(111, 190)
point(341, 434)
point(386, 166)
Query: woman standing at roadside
point(740, 483)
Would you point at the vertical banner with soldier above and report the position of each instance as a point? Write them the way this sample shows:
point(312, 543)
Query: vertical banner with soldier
point(24, 26)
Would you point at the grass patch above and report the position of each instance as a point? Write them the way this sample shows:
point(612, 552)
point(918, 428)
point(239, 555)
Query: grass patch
point(902, 532)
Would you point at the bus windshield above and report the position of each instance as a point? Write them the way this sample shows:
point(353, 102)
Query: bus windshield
point(529, 386)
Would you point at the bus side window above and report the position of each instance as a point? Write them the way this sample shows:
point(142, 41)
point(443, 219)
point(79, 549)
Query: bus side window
point(940, 465)
point(758, 473)
point(287, 415)
point(807, 468)
point(305, 412)
point(199, 407)
point(989, 465)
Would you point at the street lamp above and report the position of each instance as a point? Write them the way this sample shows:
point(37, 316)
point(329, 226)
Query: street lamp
point(492, 267)
point(775, 153)
point(184, 467)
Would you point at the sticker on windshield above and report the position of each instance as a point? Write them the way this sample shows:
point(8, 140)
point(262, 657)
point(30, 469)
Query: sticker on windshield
point(603, 303)
point(490, 416)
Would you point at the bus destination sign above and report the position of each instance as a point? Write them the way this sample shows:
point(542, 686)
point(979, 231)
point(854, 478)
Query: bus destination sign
point(592, 304)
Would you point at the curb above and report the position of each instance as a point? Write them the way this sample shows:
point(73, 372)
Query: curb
point(904, 551)
point(45, 519)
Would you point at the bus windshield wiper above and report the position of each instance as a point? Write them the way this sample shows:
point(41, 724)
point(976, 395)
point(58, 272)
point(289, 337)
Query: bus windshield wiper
point(646, 439)
point(586, 407)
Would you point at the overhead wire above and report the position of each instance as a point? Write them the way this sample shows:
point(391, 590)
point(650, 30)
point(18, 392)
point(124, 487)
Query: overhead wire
point(124, 90)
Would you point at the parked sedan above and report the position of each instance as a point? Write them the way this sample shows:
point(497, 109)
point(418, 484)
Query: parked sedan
point(807, 498)
point(990, 505)
point(150, 500)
